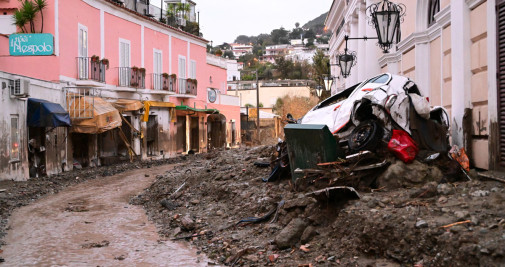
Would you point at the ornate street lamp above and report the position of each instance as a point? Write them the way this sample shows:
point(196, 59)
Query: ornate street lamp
point(328, 82)
point(319, 90)
point(386, 17)
point(346, 61)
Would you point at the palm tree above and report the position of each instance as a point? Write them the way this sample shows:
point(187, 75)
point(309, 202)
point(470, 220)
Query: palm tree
point(29, 11)
point(41, 5)
point(20, 20)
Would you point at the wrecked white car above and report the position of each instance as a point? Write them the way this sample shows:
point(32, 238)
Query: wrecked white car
point(366, 113)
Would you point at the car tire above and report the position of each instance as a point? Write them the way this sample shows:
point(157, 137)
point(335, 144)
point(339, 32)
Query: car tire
point(366, 136)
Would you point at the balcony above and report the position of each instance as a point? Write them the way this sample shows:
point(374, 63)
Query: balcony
point(187, 87)
point(163, 82)
point(131, 77)
point(91, 69)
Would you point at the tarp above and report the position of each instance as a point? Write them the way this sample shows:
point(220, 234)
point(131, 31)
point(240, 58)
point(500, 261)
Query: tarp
point(188, 108)
point(92, 115)
point(148, 104)
point(127, 105)
point(42, 113)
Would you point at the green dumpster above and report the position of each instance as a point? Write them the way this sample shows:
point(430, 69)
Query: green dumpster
point(310, 144)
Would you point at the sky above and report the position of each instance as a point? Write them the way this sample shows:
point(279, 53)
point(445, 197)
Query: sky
point(224, 20)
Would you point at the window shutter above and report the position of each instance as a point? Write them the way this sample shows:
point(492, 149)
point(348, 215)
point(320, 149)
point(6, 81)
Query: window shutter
point(500, 36)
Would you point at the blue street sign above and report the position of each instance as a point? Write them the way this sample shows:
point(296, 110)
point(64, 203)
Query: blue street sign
point(32, 44)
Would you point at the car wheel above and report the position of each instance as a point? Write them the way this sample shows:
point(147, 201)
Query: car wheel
point(365, 136)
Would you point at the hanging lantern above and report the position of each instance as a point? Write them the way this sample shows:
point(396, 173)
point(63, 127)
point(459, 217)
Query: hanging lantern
point(346, 61)
point(386, 17)
point(328, 82)
point(319, 90)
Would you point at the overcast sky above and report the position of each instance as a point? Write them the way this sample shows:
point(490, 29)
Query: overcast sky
point(223, 20)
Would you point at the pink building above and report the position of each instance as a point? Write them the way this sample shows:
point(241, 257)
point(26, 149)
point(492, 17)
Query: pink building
point(132, 85)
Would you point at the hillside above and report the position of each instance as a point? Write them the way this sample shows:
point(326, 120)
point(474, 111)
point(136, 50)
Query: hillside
point(317, 21)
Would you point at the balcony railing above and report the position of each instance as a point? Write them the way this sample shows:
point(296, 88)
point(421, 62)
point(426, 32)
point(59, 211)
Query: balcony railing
point(163, 82)
point(88, 69)
point(187, 86)
point(131, 77)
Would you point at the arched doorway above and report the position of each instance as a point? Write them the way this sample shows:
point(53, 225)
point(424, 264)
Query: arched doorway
point(216, 130)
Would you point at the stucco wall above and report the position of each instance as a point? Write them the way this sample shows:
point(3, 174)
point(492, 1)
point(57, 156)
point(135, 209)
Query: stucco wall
point(446, 69)
point(480, 129)
point(269, 95)
point(435, 74)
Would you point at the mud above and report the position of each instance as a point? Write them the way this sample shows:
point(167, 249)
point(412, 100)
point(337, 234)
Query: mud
point(209, 194)
point(18, 194)
point(92, 224)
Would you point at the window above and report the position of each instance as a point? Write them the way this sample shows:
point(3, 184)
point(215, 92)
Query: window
point(14, 137)
point(192, 69)
point(157, 70)
point(433, 9)
point(124, 62)
point(82, 52)
point(157, 59)
point(182, 75)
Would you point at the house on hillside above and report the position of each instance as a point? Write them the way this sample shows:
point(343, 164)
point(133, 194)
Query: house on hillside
point(106, 82)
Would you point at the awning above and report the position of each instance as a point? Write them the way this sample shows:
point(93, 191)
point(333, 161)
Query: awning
point(42, 113)
point(127, 105)
point(187, 108)
point(92, 115)
point(148, 104)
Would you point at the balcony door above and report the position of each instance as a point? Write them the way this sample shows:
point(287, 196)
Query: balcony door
point(124, 63)
point(82, 53)
point(157, 70)
point(182, 75)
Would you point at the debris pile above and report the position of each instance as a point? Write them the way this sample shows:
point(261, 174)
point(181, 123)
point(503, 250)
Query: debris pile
point(336, 214)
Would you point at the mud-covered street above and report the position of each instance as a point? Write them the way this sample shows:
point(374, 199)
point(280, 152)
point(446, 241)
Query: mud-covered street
point(92, 224)
point(212, 209)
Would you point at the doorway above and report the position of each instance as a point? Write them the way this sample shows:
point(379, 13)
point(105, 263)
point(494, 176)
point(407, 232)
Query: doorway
point(181, 134)
point(216, 130)
point(195, 137)
point(151, 135)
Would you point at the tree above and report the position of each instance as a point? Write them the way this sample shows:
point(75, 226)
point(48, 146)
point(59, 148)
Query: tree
point(41, 5)
point(229, 54)
point(20, 20)
point(309, 34)
point(297, 25)
point(321, 66)
point(284, 67)
point(242, 39)
point(280, 36)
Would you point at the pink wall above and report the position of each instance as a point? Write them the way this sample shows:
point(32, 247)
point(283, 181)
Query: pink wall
point(87, 16)
point(116, 28)
point(155, 40)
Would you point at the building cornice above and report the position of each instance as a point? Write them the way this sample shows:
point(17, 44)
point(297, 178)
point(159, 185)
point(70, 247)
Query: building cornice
point(443, 17)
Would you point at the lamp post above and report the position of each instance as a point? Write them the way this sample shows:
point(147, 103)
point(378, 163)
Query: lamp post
point(385, 17)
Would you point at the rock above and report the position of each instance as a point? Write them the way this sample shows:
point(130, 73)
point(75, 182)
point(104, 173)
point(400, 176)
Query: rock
point(331, 258)
point(167, 204)
point(219, 213)
point(187, 223)
point(461, 214)
point(308, 234)
point(298, 203)
point(445, 189)
point(195, 201)
point(421, 224)
point(399, 174)
point(146, 175)
point(495, 189)
point(480, 193)
point(291, 234)
point(177, 230)
point(442, 200)
point(427, 191)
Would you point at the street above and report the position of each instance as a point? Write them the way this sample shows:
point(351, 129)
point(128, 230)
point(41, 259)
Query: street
point(92, 224)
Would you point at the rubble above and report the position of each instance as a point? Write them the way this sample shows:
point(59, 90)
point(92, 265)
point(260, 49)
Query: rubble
point(420, 219)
